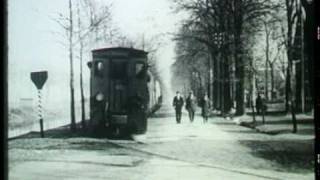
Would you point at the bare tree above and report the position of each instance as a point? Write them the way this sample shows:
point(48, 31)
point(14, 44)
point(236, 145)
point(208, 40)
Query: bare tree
point(151, 44)
point(271, 64)
point(93, 26)
point(308, 25)
point(73, 121)
point(291, 7)
point(90, 22)
point(81, 44)
point(66, 23)
point(273, 46)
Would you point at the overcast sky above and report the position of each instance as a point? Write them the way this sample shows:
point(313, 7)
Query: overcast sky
point(33, 45)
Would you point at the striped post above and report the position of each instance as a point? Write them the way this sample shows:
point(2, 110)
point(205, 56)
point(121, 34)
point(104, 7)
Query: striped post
point(39, 78)
point(40, 113)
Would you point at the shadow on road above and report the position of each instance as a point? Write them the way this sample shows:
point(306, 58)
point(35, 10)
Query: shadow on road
point(64, 132)
point(295, 156)
point(290, 152)
point(306, 131)
point(241, 131)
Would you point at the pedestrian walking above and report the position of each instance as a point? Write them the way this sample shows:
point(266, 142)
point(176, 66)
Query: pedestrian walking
point(205, 108)
point(178, 104)
point(191, 103)
point(259, 104)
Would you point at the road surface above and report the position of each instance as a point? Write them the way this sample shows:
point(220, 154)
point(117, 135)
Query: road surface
point(190, 151)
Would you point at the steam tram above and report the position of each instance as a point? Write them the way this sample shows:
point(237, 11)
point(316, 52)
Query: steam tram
point(120, 94)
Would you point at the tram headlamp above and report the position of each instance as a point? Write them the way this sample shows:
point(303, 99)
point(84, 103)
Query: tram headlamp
point(99, 96)
point(100, 66)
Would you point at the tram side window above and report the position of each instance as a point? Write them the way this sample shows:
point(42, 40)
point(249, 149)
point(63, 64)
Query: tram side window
point(140, 70)
point(118, 70)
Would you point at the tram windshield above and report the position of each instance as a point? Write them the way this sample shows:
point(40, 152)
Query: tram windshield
point(118, 70)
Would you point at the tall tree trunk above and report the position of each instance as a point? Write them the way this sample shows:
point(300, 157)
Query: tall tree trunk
point(239, 58)
point(289, 31)
point(298, 85)
point(292, 99)
point(218, 81)
point(227, 89)
point(308, 44)
point(222, 82)
point(287, 89)
point(83, 113)
point(272, 80)
point(72, 108)
point(302, 55)
point(290, 48)
point(240, 85)
point(266, 81)
point(201, 86)
point(251, 80)
point(210, 76)
point(227, 63)
point(214, 81)
point(83, 116)
point(266, 85)
point(299, 70)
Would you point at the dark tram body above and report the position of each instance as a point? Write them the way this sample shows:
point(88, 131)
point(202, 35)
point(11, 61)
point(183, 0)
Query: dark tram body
point(122, 90)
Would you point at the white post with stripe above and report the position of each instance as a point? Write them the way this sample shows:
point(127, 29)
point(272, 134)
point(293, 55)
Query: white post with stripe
point(40, 113)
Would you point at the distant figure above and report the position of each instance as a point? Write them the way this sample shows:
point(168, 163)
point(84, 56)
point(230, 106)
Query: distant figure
point(178, 104)
point(191, 104)
point(205, 107)
point(259, 104)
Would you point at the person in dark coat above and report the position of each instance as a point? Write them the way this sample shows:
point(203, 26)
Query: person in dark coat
point(178, 104)
point(259, 104)
point(191, 103)
point(205, 108)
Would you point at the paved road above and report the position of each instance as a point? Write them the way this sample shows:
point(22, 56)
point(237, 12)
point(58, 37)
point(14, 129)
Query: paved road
point(191, 151)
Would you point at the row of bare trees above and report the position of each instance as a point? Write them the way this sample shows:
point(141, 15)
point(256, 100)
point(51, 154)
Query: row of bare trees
point(224, 29)
point(221, 42)
point(85, 24)
point(298, 37)
point(88, 24)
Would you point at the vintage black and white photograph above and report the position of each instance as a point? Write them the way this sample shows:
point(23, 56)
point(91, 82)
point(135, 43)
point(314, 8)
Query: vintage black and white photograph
point(161, 89)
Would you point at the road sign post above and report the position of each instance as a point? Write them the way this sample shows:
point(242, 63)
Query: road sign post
point(39, 78)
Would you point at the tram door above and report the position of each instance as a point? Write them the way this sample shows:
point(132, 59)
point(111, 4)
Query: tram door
point(118, 86)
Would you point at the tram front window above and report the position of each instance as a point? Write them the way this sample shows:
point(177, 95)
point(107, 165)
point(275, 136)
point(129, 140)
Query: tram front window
point(119, 70)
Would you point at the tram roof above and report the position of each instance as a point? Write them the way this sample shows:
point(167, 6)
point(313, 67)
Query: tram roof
point(121, 49)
